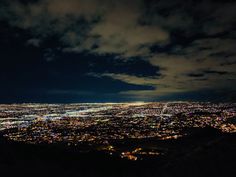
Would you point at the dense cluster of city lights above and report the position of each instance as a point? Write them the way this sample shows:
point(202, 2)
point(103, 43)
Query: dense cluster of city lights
point(74, 124)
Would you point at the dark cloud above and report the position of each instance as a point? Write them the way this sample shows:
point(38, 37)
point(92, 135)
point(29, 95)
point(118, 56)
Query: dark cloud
point(216, 72)
point(195, 75)
point(207, 73)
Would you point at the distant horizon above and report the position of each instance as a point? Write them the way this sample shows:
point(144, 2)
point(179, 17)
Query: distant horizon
point(126, 102)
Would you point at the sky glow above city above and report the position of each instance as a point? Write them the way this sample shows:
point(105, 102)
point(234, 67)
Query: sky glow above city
point(58, 51)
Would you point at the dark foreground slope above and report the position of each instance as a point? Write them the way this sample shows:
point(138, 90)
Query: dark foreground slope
point(205, 153)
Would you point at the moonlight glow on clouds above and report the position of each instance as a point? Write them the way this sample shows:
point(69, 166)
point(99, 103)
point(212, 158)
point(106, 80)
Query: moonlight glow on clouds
point(188, 47)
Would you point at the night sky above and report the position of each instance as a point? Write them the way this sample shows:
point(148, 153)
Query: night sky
point(62, 51)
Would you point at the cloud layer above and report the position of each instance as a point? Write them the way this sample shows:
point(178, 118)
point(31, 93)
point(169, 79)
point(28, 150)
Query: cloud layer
point(192, 43)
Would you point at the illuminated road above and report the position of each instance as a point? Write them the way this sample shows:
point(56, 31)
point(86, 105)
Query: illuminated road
point(164, 108)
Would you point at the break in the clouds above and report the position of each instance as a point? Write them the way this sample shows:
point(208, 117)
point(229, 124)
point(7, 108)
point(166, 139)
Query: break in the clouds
point(129, 50)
